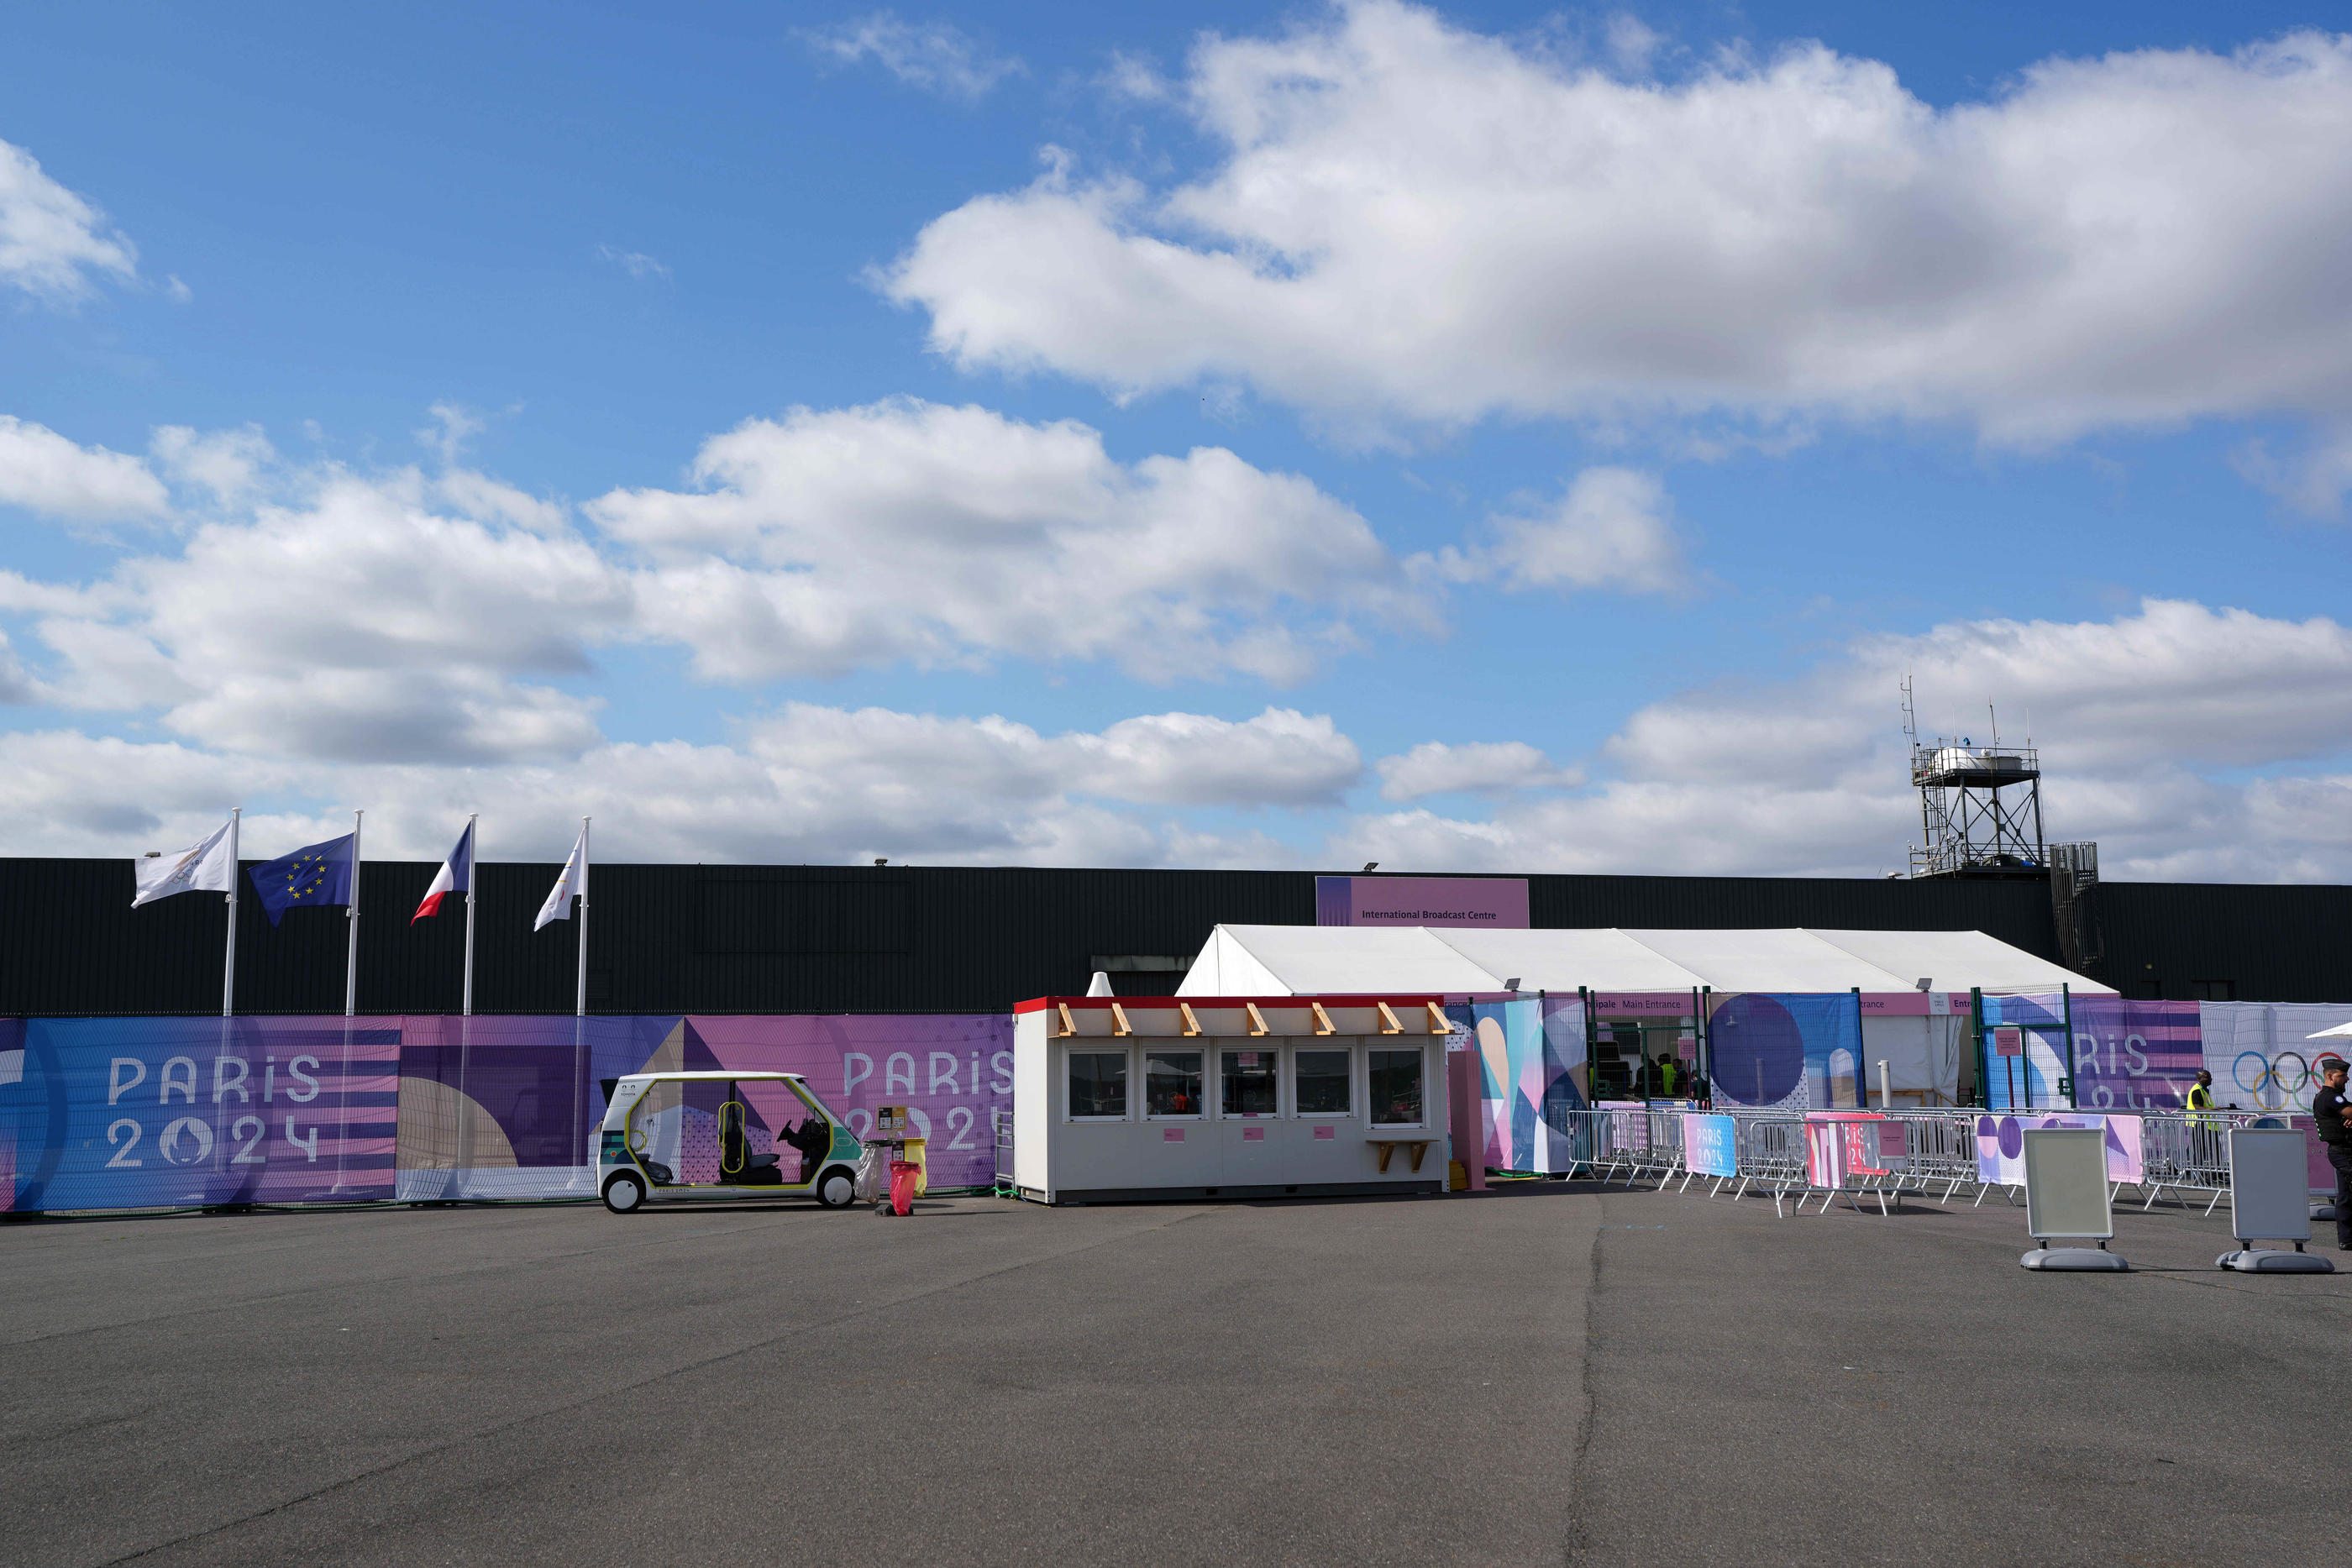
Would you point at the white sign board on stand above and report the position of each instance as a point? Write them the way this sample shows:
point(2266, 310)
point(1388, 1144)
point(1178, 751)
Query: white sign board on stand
point(2066, 1198)
point(2269, 1201)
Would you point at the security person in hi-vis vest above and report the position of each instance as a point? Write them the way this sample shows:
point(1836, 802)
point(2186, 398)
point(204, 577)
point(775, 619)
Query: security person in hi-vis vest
point(2200, 1093)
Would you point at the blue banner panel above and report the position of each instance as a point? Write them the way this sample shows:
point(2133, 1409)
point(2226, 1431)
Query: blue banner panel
point(1787, 1053)
point(150, 1113)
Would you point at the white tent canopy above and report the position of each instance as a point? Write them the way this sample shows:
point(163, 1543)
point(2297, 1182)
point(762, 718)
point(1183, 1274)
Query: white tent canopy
point(1323, 960)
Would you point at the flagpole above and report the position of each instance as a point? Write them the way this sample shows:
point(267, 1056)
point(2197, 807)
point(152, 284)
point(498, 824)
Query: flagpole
point(579, 997)
point(473, 866)
point(351, 948)
point(228, 964)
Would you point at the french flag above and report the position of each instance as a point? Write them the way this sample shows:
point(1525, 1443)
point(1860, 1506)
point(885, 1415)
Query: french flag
point(456, 875)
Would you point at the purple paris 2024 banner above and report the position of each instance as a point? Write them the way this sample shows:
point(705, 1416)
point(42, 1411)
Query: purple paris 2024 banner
point(149, 1113)
point(2135, 1055)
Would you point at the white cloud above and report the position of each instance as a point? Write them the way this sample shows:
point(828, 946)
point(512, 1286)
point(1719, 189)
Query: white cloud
point(1134, 77)
point(1280, 758)
point(227, 463)
point(44, 472)
point(1478, 766)
point(453, 424)
point(52, 241)
point(1612, 528)
point(908, 531)
point(313, 612)
point(936, 57)
point(1409, 221)
point(2312, 482)
point(356, 625)
point(807, 784)
point(2140, 721)
point(15, 686)
point(636, 263)
point(488, 500)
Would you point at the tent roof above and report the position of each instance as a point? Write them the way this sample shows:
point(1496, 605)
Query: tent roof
point(1316, 960)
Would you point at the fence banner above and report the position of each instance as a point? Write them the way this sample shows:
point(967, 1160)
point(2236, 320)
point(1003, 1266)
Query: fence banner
point(1711, 1145)
point(2000, 1143)
point(2261, 1053)
point(156, 1112)
point(2136, 1055)
point(1786, 1052)
point(1531, 1061)
point(153, 1112)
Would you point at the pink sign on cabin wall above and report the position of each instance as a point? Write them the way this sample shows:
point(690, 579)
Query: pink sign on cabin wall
point(1496, 901)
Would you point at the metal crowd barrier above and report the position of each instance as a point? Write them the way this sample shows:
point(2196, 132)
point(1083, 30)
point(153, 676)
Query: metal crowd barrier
point(2189, 1152)
point(2182, 1153)
point(1001, 1123)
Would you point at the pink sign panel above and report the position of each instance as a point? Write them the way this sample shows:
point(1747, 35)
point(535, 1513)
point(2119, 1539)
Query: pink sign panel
point(1641, 1004)
point(1498, 902)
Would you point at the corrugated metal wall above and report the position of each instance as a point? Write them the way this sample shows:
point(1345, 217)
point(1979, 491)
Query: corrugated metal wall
point(820, 939)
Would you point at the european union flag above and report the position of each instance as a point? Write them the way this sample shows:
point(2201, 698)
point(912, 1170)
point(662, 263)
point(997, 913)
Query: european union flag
point(315, 874)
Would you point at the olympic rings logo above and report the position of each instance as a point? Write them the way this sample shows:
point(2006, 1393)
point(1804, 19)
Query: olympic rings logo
point(2275, 1080)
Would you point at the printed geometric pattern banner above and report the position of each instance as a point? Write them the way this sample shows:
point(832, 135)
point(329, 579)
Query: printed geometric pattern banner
point(1531, 1068)
point(1786, 1052)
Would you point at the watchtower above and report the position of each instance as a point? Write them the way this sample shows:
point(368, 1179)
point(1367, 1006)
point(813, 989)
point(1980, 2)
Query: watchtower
point(1980, 806)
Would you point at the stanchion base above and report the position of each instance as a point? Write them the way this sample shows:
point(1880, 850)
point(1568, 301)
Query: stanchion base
point(2270, 1261)
point(2323, 1211)
point(2078, 1259)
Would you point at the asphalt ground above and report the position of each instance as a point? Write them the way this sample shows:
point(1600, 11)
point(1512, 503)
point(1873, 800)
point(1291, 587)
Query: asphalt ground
point(1541, 1375)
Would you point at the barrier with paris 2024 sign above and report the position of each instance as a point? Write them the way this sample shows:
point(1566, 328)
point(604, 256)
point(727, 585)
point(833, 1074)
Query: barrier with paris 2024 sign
point(101, 1113)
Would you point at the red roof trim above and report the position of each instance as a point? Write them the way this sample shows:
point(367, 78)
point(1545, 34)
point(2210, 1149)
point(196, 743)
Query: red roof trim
point(1133, 1004)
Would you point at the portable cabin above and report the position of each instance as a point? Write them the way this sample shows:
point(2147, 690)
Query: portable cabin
point(1126, 1098)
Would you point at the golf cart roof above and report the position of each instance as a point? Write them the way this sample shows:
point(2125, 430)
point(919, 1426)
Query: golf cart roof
point(720, 1077)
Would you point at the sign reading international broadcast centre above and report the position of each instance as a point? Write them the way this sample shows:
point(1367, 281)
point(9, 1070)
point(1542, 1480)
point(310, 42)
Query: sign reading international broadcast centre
point(1498, 901)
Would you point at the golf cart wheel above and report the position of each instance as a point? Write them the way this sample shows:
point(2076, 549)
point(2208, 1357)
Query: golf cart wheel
point(624, 1194)
point(836, 1188)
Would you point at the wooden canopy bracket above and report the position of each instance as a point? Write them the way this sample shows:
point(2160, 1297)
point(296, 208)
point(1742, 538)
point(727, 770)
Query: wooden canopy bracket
point(1437, 1019)
point(1118, 1024)
point(1322, 1019)
point(1191, 1024)
point(1257, 1019)
point(1068, 1028)
point(1389, 1024)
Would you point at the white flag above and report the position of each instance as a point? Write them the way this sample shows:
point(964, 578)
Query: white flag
point(574, 880)
point(206, 868)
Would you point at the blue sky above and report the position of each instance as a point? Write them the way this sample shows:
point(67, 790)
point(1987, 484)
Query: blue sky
point(1480, 438)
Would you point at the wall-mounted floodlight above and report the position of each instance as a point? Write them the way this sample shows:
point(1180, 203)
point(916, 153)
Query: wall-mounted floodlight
point(1372, 865)
point(1512, 983)
point(1923, 982)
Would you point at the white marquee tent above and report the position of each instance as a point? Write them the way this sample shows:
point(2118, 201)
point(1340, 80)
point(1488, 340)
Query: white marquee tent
point(1925, 1054)
point(1322, 960)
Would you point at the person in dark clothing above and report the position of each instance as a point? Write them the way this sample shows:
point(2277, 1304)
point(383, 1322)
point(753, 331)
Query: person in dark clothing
point(2332, 1113)
point(813, 1138)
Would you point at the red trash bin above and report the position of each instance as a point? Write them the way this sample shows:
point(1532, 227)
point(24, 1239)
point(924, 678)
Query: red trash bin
point(902, 1185)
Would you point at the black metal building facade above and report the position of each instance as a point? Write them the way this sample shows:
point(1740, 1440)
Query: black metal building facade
point(822, 939)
